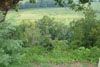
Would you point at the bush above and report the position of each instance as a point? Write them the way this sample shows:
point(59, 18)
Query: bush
point(58, 54)
point(28, 33)
point(33, 54)
point(94, 54)
point(51, 30)
point(85, 32)
point(41, 32)
point(56, 30)
point(84, 54)
point(80, 54)
point(9, 47)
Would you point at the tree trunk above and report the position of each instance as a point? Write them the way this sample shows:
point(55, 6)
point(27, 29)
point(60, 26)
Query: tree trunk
point(6, 6)
point(4, 17)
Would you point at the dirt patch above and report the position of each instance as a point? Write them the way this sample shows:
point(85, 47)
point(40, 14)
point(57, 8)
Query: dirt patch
point(76, 64)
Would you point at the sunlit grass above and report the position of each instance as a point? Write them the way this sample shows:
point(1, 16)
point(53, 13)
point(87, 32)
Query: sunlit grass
point(65, 15)
point(60, 14)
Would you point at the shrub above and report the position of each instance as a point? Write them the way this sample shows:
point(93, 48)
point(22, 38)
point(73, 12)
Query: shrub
point(56, 30)
point(9, 47)
point(51, 30)
point(28, 33)
point(94, 54)
point(85, 32)
point(80, 54)
point(32, 35)
point(85, 54)
point(60, 48)
point(41, 32)
point(34, 53)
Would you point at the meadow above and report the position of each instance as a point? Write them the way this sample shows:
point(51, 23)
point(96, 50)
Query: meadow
point(60, 14)
point(65, 15)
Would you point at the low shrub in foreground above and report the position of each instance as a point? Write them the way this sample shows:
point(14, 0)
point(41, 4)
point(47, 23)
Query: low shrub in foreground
point(10, 49)
point(84, 54)
point(39, 54)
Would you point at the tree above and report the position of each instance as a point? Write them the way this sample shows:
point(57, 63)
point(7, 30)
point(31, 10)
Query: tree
point(6, 5)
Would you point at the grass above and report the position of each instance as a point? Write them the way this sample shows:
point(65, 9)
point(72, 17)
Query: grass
point(60, 14)
point(65, 15)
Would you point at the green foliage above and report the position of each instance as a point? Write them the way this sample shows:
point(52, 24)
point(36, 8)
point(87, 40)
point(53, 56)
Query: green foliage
point(48, 41)
point(94, 54)
point(56, 30)
point(76, 6)
point(51, 30)
point(60, 49)
point(81, 54)
point(33, 1)
point(85, 32)
point(39, 54)
point(31, 35)
point(84, 54)
point(35, 54)
point(41, 33)
point(9, 47)
point(61, 54)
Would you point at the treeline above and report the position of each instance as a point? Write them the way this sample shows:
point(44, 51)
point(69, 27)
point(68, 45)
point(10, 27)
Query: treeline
point(39, 4)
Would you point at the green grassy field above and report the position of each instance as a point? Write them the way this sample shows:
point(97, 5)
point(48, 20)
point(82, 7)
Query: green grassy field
point(60, 14)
